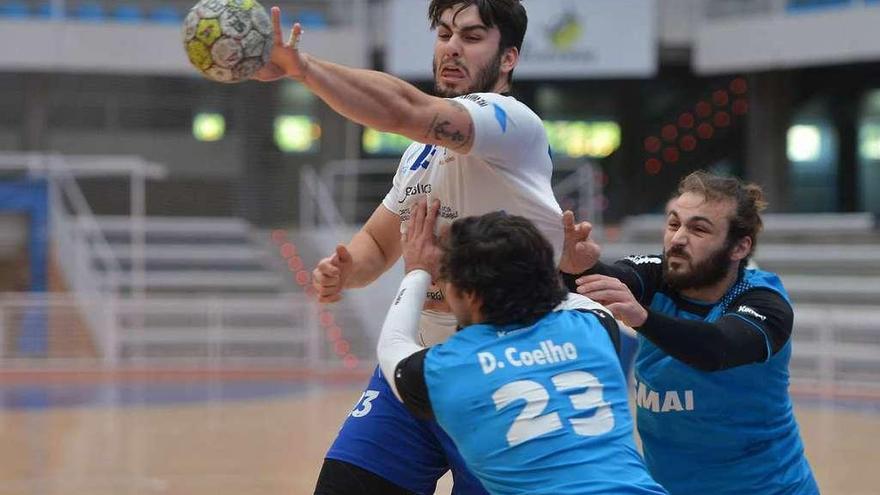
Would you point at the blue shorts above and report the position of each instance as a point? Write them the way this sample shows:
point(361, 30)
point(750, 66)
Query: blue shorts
point(381, 436)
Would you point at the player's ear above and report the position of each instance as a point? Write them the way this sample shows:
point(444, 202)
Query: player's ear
point(741, 249)
point(473, 300)
point(509, 59)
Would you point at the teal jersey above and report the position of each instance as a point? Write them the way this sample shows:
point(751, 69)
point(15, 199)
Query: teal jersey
point(723, 432)
point(541, 409)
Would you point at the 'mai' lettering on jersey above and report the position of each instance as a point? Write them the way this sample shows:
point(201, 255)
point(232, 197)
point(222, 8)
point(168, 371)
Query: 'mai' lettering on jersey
point(671, 399)
point(546, 353)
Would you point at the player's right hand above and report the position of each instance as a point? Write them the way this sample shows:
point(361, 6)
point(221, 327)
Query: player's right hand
point(616, 296)
point(285, 59)
point(420, 250)
point(579, 251)
point(330, 275)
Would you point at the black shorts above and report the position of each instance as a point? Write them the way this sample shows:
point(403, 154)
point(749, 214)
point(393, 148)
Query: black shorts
point(342, 478)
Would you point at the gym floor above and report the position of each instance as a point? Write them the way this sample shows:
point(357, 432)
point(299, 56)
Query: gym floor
point(265, 432)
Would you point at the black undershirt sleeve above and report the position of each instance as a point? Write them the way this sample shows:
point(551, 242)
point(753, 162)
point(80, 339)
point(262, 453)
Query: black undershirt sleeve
point(409, 378)
point(757, 325)
point(641, 274)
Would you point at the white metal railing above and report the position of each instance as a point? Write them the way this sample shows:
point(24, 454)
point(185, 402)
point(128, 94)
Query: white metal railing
point(76, 236)
point(217, 329)
point(283, 329)
point(583, 188)
point(317, 205)
point(833, 347)
point(836, 345)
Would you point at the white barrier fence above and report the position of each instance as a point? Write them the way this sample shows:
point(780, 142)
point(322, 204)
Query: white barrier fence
point(284, 330)
point(831, 346)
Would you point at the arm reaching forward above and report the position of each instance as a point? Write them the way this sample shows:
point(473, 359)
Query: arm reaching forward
point(371, 98)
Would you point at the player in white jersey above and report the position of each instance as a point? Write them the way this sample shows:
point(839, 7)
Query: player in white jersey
point(508, 168)
point(477, 150)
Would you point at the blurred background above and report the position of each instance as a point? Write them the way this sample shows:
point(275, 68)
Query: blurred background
point(158, 230)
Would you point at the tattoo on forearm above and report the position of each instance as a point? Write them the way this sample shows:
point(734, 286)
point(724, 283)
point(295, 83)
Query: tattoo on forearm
point(431, 125)
point(441, 131)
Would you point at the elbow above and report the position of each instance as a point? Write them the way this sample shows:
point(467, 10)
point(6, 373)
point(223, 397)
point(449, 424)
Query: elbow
point(710, 358)
point(384, 358)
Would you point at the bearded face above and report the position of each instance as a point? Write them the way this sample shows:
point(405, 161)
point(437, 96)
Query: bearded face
point(683, 272)
point(467, 54)
point(453, 78)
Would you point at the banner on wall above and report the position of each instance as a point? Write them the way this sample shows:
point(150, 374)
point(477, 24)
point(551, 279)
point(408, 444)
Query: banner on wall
point(794, 35)
point(566, 39)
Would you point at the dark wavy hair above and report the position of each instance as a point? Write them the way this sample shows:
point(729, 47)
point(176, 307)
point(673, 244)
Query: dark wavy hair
point(506, 262)
point(748, 198)
point(509, 15)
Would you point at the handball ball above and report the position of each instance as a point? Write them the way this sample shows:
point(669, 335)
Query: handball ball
point(228, 40)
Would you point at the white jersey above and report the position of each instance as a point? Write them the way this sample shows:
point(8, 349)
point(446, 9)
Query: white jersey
point(508, 168)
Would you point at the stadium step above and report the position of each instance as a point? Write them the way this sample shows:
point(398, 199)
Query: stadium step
point(198, 256)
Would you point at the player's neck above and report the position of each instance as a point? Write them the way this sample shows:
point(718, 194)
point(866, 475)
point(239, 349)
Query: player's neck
point(502, 86)
point(714, 292)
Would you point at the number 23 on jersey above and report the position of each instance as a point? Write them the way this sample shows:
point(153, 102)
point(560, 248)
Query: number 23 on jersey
point(584, 391)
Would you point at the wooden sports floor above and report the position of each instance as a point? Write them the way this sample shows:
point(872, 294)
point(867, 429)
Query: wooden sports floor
point(264, 433)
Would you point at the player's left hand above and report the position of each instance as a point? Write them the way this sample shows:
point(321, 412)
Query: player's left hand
point(286, 59)
point(614, 295)
point(579, 251)
point(419, 243)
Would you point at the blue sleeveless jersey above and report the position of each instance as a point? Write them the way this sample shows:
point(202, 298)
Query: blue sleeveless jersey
point(724, 432)
point(538, 410)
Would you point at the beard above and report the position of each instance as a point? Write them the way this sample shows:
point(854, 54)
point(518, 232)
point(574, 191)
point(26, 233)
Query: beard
point(705, 273)
point(484, 82)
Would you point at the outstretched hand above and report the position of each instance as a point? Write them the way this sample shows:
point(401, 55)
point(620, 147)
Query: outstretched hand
point(614, 295)
point(419, 243)
point(579, 251)
point(331, 274)
point(285, 59)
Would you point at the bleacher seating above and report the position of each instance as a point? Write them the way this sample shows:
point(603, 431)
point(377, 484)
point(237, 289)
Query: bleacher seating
point(208, 256)
point(43, 9)
point(14, 9)
point(212, 289)
point(808, 5)
point(131, 11)
point(89, 11)
point(165, 14)
point(127, 13)
point(311, 19)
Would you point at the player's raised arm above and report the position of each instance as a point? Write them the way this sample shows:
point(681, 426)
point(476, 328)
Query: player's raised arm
point(388, 104)
point(382, 101)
